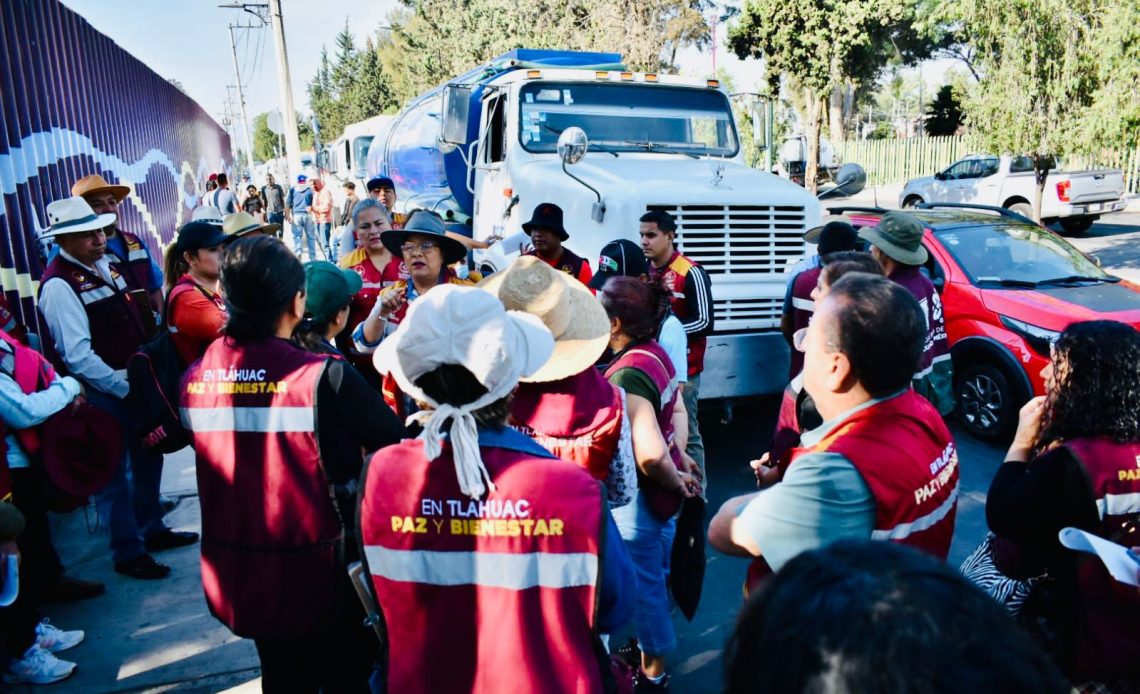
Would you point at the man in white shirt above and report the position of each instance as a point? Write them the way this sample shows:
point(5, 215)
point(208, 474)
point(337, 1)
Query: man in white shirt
point(96, 326)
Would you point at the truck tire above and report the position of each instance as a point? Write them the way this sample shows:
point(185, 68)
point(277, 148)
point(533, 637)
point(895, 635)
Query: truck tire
point(912, 201)
point(1022, 208)
point(1076, 225)
point(986, 403)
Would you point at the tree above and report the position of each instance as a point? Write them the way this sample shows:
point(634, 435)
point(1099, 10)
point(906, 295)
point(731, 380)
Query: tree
point(265, 141)
point(1113, 116)
point(1039, 75)
point(818, 46)
point(432, 41)
point(944, 115)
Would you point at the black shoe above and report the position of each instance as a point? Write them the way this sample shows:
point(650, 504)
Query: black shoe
point(144, 567)
point(643, 685)
point(68, 589)
point(169, 539)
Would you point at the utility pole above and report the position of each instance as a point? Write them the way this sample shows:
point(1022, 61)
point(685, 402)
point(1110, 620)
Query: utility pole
point(285, 90)
point(241, 97)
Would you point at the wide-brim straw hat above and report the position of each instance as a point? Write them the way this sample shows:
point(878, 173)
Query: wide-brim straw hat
point(578, 322)
point(241, 223)
point(95, 183)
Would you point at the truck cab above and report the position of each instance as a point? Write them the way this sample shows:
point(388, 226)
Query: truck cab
point(484, 149)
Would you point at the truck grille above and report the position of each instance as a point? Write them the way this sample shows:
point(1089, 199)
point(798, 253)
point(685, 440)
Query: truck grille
point(739, 239)
point(731, 315)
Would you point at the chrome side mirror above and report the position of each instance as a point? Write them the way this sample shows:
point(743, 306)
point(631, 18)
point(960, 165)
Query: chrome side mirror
point(573, 145)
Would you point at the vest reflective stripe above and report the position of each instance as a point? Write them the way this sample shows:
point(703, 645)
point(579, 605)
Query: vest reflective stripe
point(97, 294)
point(1118, 504)
point(140, 254)
point(905, 530)
point(266, 420)
point(488, 569)
point(803, 304)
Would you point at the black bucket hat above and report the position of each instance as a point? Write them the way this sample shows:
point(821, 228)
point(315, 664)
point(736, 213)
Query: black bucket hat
point(427, 224)
point(547, 216)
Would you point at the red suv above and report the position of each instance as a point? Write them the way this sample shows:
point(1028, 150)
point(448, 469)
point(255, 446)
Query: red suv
point(1009, 287)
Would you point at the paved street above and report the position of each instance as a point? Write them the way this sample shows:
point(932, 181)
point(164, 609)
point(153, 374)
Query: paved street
point(158, 636)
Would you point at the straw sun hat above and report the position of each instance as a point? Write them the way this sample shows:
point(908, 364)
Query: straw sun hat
point(573, 315)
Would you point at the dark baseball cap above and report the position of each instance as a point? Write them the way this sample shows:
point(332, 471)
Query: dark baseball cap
point(619, 258)
point(379, 183)
point(194, 236)
point(328, 289)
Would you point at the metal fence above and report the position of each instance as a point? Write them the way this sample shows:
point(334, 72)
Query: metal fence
point(73, 103)
point(897, 161)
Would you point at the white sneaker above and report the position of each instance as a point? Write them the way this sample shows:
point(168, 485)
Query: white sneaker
point(54, 640)
point(38, 667)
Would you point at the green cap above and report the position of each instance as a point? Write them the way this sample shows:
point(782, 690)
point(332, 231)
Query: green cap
point(328, 289)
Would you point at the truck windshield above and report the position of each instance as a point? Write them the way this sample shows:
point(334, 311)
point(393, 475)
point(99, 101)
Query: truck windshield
point(360, 147)
point(628, 117)
point(1018, 255)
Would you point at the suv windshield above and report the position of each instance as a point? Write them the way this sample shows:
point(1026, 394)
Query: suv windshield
point(1018, 254)
point(628, 117)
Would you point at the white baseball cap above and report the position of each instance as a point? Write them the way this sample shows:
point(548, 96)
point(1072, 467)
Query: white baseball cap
point(469, 327)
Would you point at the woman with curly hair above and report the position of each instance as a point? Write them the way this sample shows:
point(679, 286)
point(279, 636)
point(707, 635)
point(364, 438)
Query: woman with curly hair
point(1075, 461)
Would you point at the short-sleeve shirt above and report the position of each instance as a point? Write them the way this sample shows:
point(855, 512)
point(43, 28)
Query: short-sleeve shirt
point(822, 498)
point(637, 382)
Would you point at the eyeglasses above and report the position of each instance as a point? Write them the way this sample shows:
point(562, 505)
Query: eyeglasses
point(423, 246)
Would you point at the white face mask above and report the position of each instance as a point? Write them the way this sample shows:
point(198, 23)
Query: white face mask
point(462, 271)
point(11, 581)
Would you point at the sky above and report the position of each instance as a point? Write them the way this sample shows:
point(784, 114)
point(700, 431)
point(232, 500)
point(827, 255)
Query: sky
point(188, 40)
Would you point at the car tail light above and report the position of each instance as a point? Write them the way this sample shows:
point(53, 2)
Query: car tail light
point(1063, 190)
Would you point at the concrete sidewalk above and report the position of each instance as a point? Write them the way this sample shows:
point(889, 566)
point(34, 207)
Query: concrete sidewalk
point(151, 636)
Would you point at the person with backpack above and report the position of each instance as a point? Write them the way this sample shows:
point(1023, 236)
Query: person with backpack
point(196, 312)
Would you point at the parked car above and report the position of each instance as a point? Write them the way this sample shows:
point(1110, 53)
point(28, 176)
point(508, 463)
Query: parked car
point(1009, 287)
point(1074, 198)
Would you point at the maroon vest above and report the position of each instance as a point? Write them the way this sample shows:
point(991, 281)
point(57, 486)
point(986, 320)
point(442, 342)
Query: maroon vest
point(802, 309)
point(577, 418)
point(904, 452)
point(650, 359)
point(136, 266)
point(271, 537)
point(32, 373)
point(1107, 638)
point(922, 288)
point(116, 319)
point(503, 589)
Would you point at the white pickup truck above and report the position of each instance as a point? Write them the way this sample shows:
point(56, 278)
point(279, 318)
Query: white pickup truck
point(1074, 198)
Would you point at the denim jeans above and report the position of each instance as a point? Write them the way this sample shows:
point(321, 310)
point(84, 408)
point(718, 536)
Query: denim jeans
point(276, 218)
point(323, 230)
point(649, 542)
point(303, 226)
point(129, 505)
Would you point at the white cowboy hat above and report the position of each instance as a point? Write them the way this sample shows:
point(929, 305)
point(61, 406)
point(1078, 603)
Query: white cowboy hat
point(73, 216)
point(208, 214)
point(242, 223)
point(566, 307)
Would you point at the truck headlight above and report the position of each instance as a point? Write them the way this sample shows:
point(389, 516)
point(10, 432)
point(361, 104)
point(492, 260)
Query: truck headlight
point(1040, 339)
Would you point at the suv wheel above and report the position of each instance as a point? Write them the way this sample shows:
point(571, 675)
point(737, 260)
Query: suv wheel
point(985, 402)
point(911, 201)
point(1076, 225)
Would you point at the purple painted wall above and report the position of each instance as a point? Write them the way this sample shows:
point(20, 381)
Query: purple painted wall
point(73, 103)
